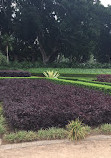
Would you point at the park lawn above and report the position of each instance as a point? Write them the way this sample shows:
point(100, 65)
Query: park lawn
point(71, 70)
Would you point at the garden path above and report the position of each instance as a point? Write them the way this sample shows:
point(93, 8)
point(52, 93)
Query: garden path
point(93, 147)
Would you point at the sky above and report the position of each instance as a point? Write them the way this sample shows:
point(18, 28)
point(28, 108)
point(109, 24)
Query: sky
point(105, 2)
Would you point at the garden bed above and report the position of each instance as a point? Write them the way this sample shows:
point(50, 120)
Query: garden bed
point(14, 73)
point(40, 109)
point(35, 104)
point(104, 78)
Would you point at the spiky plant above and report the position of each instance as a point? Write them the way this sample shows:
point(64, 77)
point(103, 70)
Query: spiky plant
point(77, 130)
point(51, 74)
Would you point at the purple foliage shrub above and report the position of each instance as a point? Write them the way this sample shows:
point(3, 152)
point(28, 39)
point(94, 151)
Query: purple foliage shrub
point(34, 104)
point(14, 73)
point(104, 78)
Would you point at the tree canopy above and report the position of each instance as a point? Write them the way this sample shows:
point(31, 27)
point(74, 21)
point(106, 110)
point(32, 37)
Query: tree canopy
point(42, 29)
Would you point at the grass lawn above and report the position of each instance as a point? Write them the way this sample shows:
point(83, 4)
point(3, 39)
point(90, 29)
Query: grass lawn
point(71, 70)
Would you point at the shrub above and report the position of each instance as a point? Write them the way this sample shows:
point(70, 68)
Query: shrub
point(104, 78)
point(2, 125)
point(35, 104)
point(52, 133)
point(90, 85)
point(105, 128)
point(2, 129)
point(77, 130)
point(20, 136)
point(2, 120)
point(3, 60)
point(14, 73)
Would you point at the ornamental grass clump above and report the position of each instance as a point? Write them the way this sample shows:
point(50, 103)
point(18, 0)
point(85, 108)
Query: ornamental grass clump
point(77, 130)
point(51, 74)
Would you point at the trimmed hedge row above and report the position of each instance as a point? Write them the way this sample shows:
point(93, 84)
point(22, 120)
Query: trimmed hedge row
point(105, 87)
point(85, 80)
point(32, 77)
point(67, 75)
point(100, 87)
point(34, 104)
point(14, 73)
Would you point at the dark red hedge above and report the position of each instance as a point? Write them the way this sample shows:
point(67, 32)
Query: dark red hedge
point(34, 104)
point(104, 78)
point(14, 73)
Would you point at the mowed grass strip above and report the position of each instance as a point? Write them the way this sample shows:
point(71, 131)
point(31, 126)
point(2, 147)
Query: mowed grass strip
point(71, 70)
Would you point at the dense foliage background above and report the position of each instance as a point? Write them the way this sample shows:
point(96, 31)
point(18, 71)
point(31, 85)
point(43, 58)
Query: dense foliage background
point(48, 30)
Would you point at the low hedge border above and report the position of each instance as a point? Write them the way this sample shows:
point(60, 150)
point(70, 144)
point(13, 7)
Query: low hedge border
point(85, 80)
point(67, 75)
point(32, 77)
point(104, 88)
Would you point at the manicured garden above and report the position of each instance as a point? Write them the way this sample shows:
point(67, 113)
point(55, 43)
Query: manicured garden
point(37, 108)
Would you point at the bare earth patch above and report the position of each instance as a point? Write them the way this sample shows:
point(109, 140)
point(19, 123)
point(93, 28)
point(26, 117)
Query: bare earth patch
point(82, 149)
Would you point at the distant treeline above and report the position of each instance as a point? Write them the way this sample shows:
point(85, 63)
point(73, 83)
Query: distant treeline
point(45, 30)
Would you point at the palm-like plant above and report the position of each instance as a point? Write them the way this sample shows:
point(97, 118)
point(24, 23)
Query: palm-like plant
point(51, 74)
point(7, 41)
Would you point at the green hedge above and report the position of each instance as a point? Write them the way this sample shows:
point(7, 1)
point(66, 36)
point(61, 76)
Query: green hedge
point(32, 77)
point(104, 88)
point(67, 75)
point(85, 80)
point(91, 85)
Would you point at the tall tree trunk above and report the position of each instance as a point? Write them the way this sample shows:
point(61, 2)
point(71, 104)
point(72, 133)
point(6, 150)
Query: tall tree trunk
point(45, 58)
point(7, 51)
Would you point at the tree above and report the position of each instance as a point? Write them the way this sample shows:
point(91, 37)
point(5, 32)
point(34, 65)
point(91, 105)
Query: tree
point(7, 41)
point(45, 28)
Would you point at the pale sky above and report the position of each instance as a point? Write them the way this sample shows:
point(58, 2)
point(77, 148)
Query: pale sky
point(105, 2)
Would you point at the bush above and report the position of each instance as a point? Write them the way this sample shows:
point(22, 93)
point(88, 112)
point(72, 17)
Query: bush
point(14, 73)
point(105, 128)
point(2, 120)
point(20, 136)
point(2, 125)
point(23, 136)
point(52, 133)
point(3, 60)
point(106, 88)
point(2, 130)
point(104, 78)
point(35, 104)
point(77, 130)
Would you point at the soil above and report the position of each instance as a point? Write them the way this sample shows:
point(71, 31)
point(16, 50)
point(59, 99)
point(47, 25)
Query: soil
point(83, 149)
